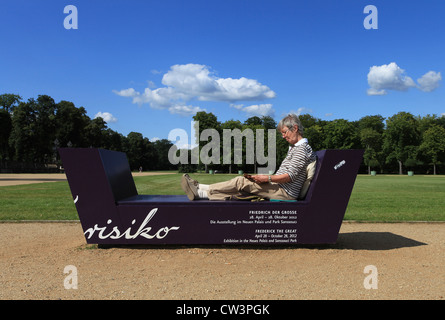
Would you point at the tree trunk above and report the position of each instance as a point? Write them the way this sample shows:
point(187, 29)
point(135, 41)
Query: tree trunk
point(400, 167)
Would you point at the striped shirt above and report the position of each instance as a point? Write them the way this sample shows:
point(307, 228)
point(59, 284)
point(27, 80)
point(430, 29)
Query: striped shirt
point(294, 164)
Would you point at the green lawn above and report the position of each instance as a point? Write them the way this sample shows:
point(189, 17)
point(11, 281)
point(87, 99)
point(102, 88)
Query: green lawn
point(374, 198)
point(397, 198)
point(40, 201)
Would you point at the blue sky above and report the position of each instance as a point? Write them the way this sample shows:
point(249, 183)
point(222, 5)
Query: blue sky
point(148, 66)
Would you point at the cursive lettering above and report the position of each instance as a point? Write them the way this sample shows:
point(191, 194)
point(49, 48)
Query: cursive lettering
point(143, 230)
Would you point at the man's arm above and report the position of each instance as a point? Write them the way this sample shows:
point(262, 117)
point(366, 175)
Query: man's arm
point(280, 178)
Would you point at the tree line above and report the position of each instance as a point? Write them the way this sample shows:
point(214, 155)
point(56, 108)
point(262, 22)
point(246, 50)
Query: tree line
point(32, 131)
point(395, 144)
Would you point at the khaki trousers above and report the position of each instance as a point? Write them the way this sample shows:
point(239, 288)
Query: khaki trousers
point(241, 186)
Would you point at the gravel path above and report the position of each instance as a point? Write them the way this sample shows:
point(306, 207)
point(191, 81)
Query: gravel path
point(409, 260)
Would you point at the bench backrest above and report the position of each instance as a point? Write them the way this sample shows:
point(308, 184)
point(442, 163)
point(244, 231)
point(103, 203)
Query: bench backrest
point(102, 176)
point(118, 173)
point(335, 175)
point(329, 194)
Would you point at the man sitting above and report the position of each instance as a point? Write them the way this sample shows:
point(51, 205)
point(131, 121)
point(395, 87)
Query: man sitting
point(285, 184)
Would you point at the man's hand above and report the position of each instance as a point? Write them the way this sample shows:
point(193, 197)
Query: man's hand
point(261, 178)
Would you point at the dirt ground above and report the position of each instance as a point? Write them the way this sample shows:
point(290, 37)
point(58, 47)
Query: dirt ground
point(409, 261)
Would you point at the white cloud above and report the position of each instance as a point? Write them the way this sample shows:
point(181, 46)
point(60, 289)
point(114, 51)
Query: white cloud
point(237, 106)
point(127, 92)
point(375, 92)
point(108, 117)
point(298, 112)
point(392, 77)
point(197, 81)
point(429, 81)
point(188, 82)
point(388, 77)
point(240, 89)
point(160, 98)
point(259, 110)
point(302, 110)
point(184, 110)
point(191, 79)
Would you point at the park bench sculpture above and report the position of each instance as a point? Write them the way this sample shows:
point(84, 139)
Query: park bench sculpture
point(112, 212)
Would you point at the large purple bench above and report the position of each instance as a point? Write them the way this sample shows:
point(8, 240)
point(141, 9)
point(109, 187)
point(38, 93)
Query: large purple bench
point(112, 212)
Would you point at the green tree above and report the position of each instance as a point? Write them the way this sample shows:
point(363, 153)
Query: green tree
point(33, 130)
point(340, 134)
point(5, 132)
point(161, 148)
point(247, 162)
point(206, 121)
point(23, 138)
point(441, 121)
point(375, 123)
point(399, 138)
point(95, 133)
point(371, 137)
point(313, 130)
point(425, 122)
point(372, 140)
point(114, 140)
point(308, 121)
point(45, 129)
point(268, 122)
point(9, 101)
point(264, 123)
point(70, 125)
point(253, 121)
point(138, 151)
point(230, 125)
point(433, 144)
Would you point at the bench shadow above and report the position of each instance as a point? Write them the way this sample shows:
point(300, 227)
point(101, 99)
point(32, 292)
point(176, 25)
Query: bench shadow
point(346, 241)
point(374, 241)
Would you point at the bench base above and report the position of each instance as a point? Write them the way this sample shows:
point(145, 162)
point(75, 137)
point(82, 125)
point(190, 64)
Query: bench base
point(208, 223)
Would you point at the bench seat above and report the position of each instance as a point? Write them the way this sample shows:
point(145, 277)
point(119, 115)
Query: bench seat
point(183, 200)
